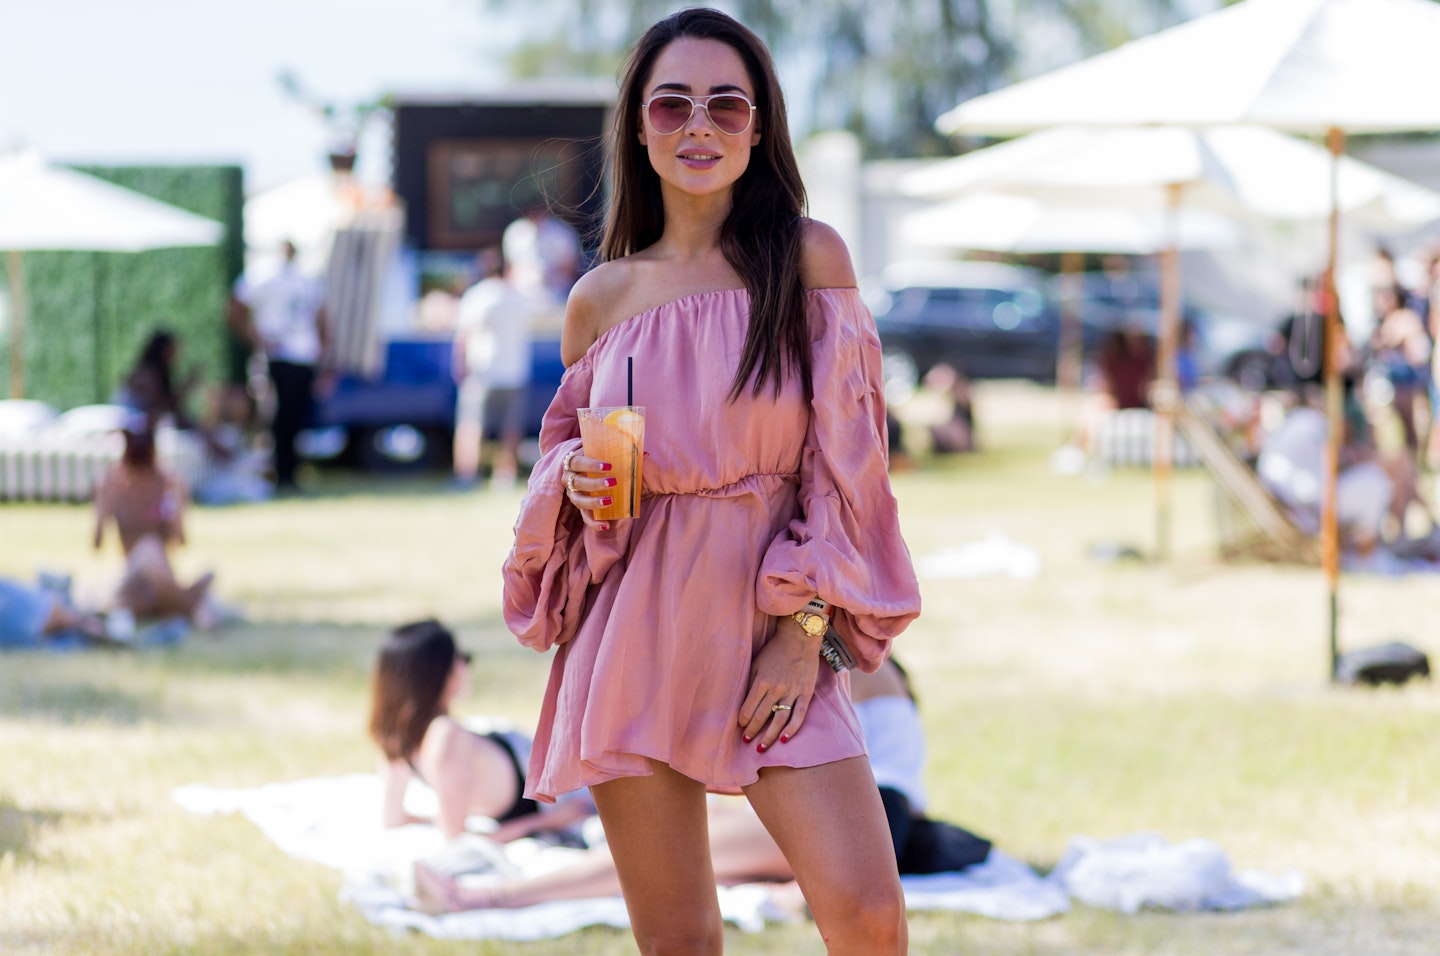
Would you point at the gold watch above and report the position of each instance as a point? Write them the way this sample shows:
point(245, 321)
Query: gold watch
point(813, 624)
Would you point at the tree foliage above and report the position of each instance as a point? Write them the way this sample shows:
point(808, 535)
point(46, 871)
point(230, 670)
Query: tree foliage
point(883, 69)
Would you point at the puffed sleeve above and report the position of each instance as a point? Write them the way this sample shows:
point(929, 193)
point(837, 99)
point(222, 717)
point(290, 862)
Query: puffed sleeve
point(555, 558)
point(845, 546)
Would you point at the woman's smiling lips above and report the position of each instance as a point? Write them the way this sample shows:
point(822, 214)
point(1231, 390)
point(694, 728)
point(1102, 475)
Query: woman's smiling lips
point(699, 158)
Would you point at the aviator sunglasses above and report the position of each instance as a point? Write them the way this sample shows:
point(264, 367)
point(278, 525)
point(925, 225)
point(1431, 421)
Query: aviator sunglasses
point(730, 113)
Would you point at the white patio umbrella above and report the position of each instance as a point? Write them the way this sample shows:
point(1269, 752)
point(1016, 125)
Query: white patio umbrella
point(1243, 171)
point(1319, 67)
point(46, 208)
point(1012, 222)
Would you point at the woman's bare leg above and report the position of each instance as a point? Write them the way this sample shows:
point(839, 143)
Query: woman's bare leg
point(149, 587)
point(657, 833)
point(740, 847)
point(830, 824)
point(591, 875)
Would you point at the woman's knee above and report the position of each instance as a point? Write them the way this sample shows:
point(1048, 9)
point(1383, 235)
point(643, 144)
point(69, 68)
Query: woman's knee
point(870, 919)
point(701, 938)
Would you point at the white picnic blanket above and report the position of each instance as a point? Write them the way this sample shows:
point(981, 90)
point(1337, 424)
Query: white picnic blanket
point(335, 821)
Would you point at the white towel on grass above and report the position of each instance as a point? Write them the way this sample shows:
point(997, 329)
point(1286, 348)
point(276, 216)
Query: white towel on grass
point(335, 821)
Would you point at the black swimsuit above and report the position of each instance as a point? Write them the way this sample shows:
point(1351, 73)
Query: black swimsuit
point(523, 806)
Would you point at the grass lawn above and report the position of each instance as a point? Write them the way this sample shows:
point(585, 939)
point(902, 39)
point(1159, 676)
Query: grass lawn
point(1187, 697)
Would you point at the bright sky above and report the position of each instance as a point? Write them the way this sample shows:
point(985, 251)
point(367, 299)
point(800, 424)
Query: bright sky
point(175, 81)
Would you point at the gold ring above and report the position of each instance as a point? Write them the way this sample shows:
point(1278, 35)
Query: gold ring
point(779, 707)
point(570, 483)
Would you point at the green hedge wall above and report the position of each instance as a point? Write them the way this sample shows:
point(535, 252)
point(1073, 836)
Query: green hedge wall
point(89, 313)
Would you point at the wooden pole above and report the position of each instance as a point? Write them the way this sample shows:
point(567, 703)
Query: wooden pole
point(1070, 357)
point(16, 269)
point(1334, 406)
point(1165, 393)
point(1072, 342)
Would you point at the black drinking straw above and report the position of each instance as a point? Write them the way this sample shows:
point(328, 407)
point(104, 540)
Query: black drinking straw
point(629, 380)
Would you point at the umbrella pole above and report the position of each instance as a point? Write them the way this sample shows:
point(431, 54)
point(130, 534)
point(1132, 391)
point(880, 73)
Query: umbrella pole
point(1070, 359)
point(1072, 344)
point(1334, 406)
point(1166, 393)
point(17, 323)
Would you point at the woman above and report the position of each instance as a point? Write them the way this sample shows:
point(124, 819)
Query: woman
point(420, 674)
point(150, 388)
point(687, 660)
point(741, 850)
point(147, 505)
point(1400, 347)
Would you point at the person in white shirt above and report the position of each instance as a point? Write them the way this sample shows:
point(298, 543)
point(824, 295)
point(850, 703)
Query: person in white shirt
point(492, 368)
point(285, 314)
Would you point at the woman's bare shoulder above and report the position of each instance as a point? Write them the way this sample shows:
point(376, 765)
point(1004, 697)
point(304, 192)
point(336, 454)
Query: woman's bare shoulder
point(591, 307)
point(824, 259)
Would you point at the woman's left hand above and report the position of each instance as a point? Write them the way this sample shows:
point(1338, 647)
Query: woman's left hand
point(782, 682)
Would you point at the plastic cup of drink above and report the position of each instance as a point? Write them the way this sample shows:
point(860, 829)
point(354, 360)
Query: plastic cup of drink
point(616, 434)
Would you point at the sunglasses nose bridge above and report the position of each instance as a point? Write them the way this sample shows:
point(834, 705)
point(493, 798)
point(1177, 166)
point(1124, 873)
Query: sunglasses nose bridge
point(696, 109)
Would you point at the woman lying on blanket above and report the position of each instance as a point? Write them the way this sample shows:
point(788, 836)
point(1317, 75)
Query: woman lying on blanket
point(420, 673)
point(742, 850)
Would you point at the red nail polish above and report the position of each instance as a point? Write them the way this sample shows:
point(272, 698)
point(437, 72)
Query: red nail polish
point(604, 527)
point(606, 502)
point(611, 482)
point(784, 737)
point(760, 749)
point(605, 466)
point(745, 737)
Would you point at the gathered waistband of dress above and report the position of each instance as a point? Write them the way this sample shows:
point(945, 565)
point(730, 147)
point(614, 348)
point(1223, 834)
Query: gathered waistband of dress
point(747, 485)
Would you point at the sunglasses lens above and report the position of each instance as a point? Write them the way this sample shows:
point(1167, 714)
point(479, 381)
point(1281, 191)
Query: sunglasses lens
point(669, 113)
point(730, 114)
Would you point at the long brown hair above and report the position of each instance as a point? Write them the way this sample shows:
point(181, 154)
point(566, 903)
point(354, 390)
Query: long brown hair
point(760, 237)
point(409, 678)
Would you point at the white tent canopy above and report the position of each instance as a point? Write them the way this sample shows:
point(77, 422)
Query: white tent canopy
point(44, 207)
point(1306, 66)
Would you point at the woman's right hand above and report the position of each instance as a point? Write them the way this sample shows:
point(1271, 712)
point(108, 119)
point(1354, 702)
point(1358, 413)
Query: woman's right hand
point(586, 487)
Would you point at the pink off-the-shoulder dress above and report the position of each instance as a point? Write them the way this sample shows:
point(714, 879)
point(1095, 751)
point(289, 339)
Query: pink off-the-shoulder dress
point(750, 508)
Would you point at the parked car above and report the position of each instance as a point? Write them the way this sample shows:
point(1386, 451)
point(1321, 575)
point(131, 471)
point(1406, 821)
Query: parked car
point(986, 319)
point(992, 320)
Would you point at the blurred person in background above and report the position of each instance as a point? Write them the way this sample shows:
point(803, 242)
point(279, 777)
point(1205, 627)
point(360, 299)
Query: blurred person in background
point(151, 388)
point(491, 359)
point(1400, 349)
point(1432, 326)
point(955, 432)
point(1120, 378)
point(35, 617)
point(147, 506)
point(285, 317)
